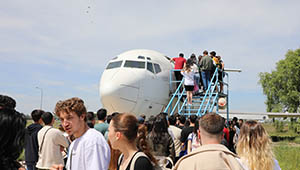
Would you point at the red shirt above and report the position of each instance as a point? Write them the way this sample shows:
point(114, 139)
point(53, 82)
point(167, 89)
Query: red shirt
point(226, 131)
point(179, 62)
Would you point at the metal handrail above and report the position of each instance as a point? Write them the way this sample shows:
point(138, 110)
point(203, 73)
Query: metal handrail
point(208, 101)
point(207, 93)
point(177, 92)
point(178, 101)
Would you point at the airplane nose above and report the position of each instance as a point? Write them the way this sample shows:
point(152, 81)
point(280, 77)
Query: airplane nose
point(118, 97)
point(108, 90)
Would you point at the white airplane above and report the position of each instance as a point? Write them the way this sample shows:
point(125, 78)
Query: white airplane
point(137, 82)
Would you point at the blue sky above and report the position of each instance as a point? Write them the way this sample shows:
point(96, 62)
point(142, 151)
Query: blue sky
point(63, 46)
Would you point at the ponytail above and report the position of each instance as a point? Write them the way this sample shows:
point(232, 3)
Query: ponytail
point(142, 143)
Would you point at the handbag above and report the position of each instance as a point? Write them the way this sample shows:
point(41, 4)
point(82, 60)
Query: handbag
point(196, 87)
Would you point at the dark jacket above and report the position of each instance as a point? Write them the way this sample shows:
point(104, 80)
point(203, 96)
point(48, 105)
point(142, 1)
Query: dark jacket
point(31, 143)
point(206, 64)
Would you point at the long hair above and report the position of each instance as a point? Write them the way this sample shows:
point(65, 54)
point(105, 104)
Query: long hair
point(12, 137)
point(142, 143)
point(159, 133)
point(188, 65)
point(254, 147)
point(129, 126)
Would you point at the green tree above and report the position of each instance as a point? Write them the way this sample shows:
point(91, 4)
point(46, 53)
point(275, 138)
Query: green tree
point(282, 85)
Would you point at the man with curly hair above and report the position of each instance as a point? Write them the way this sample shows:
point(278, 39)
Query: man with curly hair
point(89, 150)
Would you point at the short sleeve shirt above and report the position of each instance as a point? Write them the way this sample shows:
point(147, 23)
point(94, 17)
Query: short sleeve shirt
point(90, 151)
point(179, 62)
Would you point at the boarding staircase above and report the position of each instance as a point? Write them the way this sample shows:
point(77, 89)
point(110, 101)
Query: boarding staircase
point(202, 103)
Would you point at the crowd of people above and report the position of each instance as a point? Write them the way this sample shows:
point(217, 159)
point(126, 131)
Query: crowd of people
point(122, 141)
point(198, 72)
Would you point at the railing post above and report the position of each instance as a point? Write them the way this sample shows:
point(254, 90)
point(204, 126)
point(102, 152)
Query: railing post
point(227, 98)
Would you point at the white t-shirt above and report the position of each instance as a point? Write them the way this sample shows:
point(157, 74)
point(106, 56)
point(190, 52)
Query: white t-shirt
point(195, 141)
point(195, 68)
point(89, 152)
point(188, 78)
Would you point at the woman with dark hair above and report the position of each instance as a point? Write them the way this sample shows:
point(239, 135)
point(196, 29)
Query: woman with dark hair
point(123, 135)
point(160, 142)
point(12, 136)
point(193, 138)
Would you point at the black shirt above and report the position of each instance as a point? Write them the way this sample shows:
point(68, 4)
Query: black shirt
point(185, 133)
point(31, 143)
point(141, 163)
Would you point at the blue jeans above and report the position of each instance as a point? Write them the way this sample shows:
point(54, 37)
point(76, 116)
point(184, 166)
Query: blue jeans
point(197, 78)
point(205, 78)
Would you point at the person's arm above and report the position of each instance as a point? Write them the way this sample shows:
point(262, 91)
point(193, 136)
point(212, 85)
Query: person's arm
point(189, 143)
point(57, 167)
point(189, 146)
point(222, 66)
point(171, 149)
point(183, 136)
point(61, 140)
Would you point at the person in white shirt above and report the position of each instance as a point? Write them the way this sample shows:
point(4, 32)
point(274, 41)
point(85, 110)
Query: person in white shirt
point(51, 142)
point(89, 150)
point(196, 71)
point(255, 147)
point(193, 138)
point(177, 135)
point(188, 75)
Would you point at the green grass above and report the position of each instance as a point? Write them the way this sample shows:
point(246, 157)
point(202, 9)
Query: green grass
point(288, 155)
point(286, 152)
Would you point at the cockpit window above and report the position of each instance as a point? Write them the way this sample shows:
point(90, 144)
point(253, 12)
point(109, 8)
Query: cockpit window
point(115, 64)
point(141, 57)
point(150, 67)
point(157, 68)
point(148, 58)
point(134, 64)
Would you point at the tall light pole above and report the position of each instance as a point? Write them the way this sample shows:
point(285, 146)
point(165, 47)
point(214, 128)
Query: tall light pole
point(41, 97)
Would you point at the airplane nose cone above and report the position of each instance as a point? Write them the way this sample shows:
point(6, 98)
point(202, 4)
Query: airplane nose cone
point(108, 90)
point(116, 97)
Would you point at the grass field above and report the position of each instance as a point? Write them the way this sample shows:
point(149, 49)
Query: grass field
point(288, 155)
point(286, 152)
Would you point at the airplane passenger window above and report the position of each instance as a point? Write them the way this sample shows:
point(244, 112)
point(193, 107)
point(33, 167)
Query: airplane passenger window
point(150, 67)
point(134, 64)
point(141, 57)
point(157, 68)
point(115, 64)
